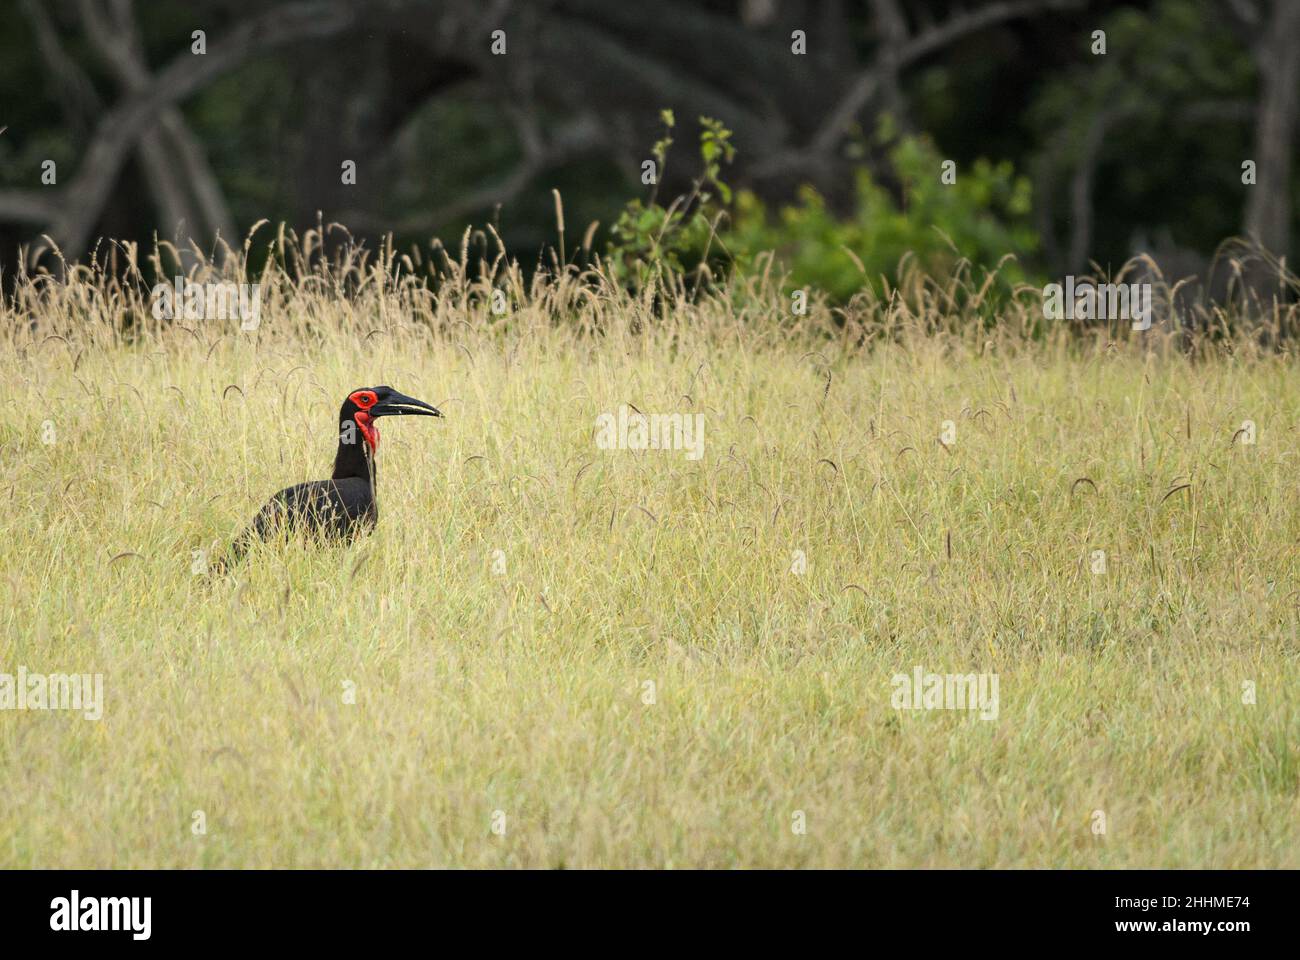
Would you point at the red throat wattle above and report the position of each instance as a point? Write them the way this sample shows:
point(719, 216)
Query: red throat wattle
point(368, 429)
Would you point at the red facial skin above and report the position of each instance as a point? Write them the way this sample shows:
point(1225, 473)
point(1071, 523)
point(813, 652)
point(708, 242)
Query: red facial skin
point(365, 400)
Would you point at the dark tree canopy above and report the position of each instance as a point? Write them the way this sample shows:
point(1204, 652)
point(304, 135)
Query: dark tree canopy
point(463, 111)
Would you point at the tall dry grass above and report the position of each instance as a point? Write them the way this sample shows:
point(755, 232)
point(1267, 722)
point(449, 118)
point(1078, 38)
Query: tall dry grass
point(647, 682)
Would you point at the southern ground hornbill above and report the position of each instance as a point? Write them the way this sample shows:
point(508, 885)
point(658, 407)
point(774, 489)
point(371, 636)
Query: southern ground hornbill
point(343, 506)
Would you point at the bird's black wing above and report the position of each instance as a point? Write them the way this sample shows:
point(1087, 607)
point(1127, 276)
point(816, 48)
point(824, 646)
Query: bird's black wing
point(332, 509)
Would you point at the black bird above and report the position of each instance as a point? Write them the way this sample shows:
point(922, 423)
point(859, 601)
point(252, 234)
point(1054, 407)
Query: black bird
point(342, 507)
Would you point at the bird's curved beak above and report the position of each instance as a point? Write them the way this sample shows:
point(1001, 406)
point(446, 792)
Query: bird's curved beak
point(399, 405)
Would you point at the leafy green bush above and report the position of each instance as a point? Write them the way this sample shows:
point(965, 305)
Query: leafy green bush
point(982, 216)
point(649, 239)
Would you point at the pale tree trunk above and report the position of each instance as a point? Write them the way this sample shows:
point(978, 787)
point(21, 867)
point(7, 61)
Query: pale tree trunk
point(1268, 204)
point(77, 207)
point(190, 203)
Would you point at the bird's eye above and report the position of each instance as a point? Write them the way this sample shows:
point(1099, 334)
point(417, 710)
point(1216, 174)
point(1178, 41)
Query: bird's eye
point(364, 399)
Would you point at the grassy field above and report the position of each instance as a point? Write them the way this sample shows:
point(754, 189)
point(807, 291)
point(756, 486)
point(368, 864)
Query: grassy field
point(653, 679)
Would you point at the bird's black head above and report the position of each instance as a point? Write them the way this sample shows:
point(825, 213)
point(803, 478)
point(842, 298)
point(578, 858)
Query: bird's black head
point(363, 407)
point(386, 402)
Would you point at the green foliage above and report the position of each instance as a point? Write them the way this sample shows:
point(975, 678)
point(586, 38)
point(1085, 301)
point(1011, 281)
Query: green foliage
point(650, 241)
point(982, 217)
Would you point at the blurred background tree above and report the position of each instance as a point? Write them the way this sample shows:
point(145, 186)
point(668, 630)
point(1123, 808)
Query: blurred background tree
point(1105, 154)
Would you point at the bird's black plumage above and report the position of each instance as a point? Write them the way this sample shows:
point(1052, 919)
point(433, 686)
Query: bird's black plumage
point(342, 507)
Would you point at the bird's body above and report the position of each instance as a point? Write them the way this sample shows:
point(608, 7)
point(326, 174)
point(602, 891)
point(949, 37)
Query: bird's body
point(331, 509)
point(342, 507)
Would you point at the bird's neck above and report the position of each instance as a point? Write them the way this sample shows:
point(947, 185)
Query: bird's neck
point(358, 442)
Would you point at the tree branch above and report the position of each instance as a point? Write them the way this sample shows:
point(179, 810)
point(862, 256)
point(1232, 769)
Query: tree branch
point(864, 88)
point(27, 206)
point(580, 134)
point(75, 88)
point(169, 145)
point(81, 203)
